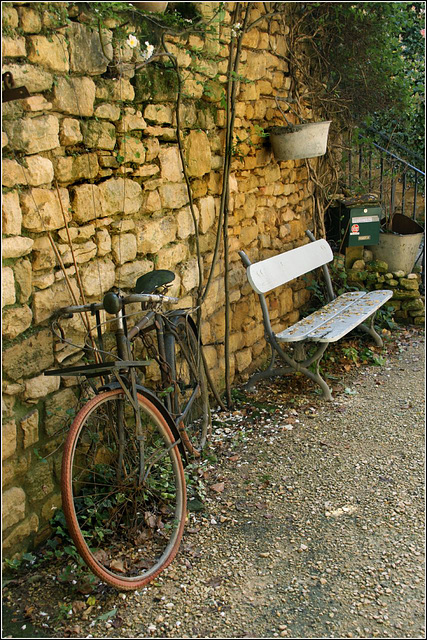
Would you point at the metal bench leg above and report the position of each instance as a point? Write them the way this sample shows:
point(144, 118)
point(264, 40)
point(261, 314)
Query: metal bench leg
point(371, 330)
point(293, 367)
point(315, 376)
point(267, 373)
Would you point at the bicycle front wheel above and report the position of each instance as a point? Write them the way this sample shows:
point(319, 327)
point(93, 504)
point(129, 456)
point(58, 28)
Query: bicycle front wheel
point(124, 496)
point(190, 397)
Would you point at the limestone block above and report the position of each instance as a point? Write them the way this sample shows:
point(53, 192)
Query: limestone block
point(30, 357)
point(47, 301)
point(86, 55)
point(98, 277)
point(173, 196)
point(401, 294)
point(151, 202)
point(164, 133)
point(10, 17)
point(39, 171)
point(211, 357)
point(153, 148)
point(171, 165)
point(107, 111)
point(8, 295)
point(251, 39)
point(193, 86)
point(73, 168)
point(153, 234)
point(8, 438)
point(123, 247)
point(11, 212)
point(15, 321)
point(70, 133)
point(39, 481)
point(170, 256)
point(32, 135)
point(13, 47)
point(117, 90)
point(182, 57)
point(13, 467)
point(16, 246)
point(30, 427)
point(74, 95)
point(36, 103)
point(185, 222)
point(30, 20)
point(23, 277)
point(146, 171)
point(82, 252)
point(207, 213)
point(53, 503)
point(50, 53)
point(411, 284)
point(190, 275)
point(35, 79)
point(13, 508)
point(103, 241)
point(21, 533)
point(40, 386)
point(132, 150)
point(127, 274)
point(413, 305)
point(58, 411)
point(99, 135)
point(77, 234)
point(86, 200)
point(130, 122)
point(42, 209)
point(198, 153)
point(243, 359)
point(161, 114)
point(377, 265)
point(120, 195)
point(256, 66)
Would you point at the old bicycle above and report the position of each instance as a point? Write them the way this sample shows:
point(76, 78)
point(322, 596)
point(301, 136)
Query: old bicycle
point(122, 479)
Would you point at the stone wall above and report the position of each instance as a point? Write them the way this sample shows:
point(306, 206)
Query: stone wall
point(407, 301)
point(99, 154)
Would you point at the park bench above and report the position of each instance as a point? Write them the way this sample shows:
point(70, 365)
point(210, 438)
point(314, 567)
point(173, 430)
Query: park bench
point(338, 317)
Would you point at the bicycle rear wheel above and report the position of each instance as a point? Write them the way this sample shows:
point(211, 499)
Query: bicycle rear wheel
point(124, 502)
point(190, 398)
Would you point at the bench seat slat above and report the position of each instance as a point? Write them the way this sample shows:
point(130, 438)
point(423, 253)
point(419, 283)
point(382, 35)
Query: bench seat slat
point(277, 270)
point(337, 318)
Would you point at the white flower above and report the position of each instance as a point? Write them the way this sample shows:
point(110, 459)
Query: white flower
point(149, 50)
point(235, 29)
point(132, 41)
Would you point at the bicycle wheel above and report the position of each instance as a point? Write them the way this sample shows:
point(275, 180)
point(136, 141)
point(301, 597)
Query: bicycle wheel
point(190, 397)
point(124, 499)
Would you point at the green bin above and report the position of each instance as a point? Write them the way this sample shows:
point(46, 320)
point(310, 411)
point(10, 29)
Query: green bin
point(354, 223)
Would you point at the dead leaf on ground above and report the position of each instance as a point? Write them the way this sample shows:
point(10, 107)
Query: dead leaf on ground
point(117, 565)
point(78, 605)
point(218, 488)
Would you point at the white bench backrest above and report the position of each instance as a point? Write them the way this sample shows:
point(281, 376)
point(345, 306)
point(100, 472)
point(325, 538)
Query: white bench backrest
point(277, 270)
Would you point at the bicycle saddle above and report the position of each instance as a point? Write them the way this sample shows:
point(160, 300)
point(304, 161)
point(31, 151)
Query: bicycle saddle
point(153, 280)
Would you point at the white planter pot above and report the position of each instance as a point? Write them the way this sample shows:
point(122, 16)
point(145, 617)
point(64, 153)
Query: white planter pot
point(306, 141)
point(155, 7)
point(399, 251)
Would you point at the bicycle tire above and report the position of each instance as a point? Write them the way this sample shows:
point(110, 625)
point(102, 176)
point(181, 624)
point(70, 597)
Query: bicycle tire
point(127, 531)
point(183, 352)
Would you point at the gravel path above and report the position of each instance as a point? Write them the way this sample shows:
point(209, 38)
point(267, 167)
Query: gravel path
point(313, 524)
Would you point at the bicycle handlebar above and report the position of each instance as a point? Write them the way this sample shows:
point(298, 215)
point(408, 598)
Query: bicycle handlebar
point(122, 301)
